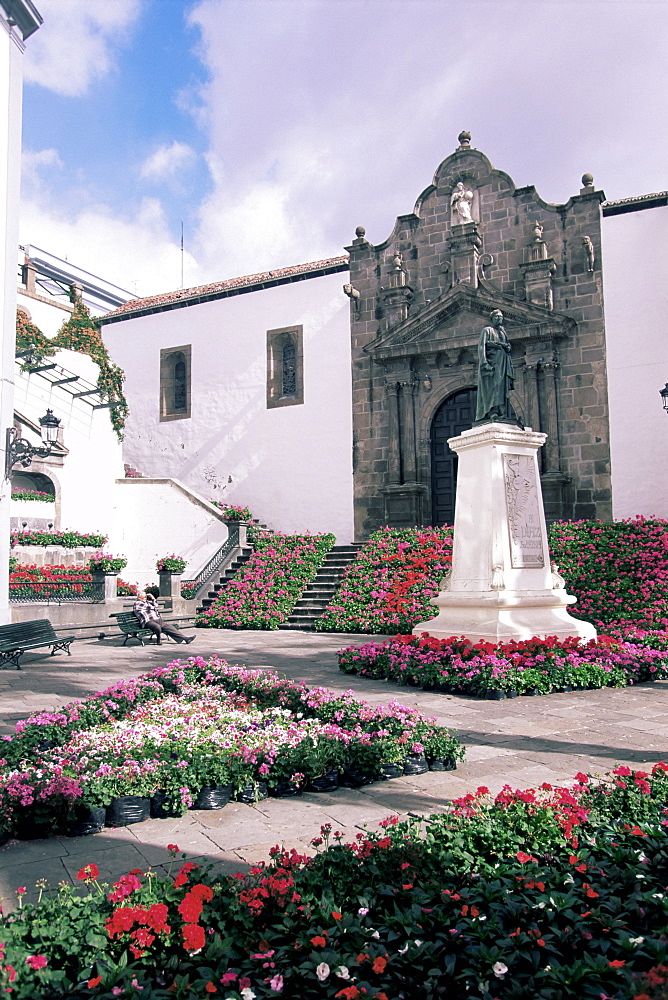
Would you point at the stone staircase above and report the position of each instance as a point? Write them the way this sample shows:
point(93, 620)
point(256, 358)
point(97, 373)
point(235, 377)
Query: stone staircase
point(320, 592)
point(226, 577)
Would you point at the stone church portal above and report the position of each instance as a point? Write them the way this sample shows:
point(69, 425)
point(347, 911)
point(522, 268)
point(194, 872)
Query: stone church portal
point(476, 243)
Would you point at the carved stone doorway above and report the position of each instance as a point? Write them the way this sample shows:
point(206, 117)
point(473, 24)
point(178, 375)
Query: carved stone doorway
point(454, 415)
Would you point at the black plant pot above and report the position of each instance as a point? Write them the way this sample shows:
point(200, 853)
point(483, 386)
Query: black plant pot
point(416, 764)
point(87, 821)
point(158, 809)
point(532, 693)
point(442, 764)
point(328, 782)
point(493, 694)
point(127, 809)
point(512, 693)
point(285, 790)
point(252, 793)
point(354, 777)
point(391, 771)
point(213, 797)
point(25, 828)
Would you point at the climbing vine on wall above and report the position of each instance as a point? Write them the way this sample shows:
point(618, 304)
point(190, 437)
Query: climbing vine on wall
point(79, 333)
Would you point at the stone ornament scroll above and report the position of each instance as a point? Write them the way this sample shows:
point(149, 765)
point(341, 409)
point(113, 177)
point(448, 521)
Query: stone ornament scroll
point(522, 505)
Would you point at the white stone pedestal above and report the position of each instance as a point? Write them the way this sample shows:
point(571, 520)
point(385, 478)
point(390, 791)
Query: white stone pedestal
point(501, 586)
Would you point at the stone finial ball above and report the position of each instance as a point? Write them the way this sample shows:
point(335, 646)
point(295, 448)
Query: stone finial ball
point(587, 180)
point(360, 232)
point(464, 138)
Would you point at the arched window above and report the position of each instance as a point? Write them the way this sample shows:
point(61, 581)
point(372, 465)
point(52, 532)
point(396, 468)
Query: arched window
point(285, 366)
point(175, 383)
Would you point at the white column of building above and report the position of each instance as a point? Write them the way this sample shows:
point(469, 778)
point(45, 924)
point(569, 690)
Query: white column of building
point(18, 20)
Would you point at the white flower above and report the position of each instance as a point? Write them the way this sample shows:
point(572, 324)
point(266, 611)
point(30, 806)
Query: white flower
point(417, 943)
point(247, 993)
point(376, 935)
point(402, 951)
point(342, 972)
point(322, 971)
point(363, 910)
point(499, 969)
point(638, 940)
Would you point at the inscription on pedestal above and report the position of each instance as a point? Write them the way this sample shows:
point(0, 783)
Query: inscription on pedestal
point(524, 515)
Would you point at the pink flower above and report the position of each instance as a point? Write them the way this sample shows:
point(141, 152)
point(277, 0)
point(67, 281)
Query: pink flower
point(37, 961)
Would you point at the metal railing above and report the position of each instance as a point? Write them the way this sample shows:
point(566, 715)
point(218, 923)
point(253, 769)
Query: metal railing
point(203, 578)
point(56, 593)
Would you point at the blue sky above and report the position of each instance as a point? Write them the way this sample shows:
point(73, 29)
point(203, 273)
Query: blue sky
point(272, 128)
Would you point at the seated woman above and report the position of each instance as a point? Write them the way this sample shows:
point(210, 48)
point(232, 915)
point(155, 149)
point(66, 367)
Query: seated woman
point(147, 611)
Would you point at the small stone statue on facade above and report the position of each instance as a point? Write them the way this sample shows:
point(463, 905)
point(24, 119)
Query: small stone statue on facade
point(496, 376)
point(460, 203)
point(590, 252)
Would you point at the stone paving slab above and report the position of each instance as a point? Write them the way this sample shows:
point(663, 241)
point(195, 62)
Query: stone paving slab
point(521, 742)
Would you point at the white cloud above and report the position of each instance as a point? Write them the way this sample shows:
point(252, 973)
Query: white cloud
point(137, 254)
point(34, 161)
point(167, 161)
point(76, 43)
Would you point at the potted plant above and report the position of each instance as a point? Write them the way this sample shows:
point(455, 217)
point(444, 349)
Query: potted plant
point(102, 562)
point(169, 570)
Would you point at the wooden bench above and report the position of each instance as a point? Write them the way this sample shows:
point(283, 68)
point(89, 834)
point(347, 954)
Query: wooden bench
point(20, 637)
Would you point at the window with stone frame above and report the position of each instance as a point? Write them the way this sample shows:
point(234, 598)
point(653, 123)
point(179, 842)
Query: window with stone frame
point(285, 366)
point(175, 383)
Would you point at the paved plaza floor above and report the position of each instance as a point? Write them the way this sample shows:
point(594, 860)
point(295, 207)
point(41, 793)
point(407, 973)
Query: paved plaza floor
point(521, 742)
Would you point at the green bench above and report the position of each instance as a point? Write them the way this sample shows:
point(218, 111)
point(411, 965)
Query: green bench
point(131, 627)
point(22, 637)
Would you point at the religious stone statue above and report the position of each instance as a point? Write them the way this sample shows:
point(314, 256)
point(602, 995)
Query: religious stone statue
point(460, 203)
point(496, 376)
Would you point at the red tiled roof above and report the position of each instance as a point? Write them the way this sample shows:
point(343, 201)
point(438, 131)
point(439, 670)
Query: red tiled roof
point(188, 296)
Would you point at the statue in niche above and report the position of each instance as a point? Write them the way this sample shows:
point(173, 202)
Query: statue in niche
point(496, 376)
point(461, 203)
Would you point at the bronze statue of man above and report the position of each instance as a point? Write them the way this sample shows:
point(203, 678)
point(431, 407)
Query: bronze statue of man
point(496, 376)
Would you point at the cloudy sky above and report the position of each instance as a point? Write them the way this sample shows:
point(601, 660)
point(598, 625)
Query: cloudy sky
point(272, 128)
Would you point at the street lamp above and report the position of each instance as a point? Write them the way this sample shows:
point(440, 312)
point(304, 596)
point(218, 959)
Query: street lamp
point(664, 396)
point(18, 451)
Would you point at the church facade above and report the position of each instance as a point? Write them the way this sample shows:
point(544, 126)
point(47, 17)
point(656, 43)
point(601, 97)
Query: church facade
point(421, 299)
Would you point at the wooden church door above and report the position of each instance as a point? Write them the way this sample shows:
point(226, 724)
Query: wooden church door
point(454, 415)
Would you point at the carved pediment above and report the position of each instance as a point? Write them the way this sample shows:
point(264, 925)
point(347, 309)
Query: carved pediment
point(454, 321)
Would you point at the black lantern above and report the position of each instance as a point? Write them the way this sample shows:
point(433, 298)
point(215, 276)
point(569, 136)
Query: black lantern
point(18, 451)
point(664, 396)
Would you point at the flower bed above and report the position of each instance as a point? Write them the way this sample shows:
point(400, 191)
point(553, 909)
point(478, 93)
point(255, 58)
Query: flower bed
point(534, 666)
point(264, 592)
point(56, 581)
point(548, 892)
point(617, 570)
point(200, 724)
point(48, 581)
point(68, 539)
point(389, 586)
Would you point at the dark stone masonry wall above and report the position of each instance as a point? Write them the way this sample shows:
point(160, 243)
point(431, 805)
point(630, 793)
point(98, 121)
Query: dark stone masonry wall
point(425, 294)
